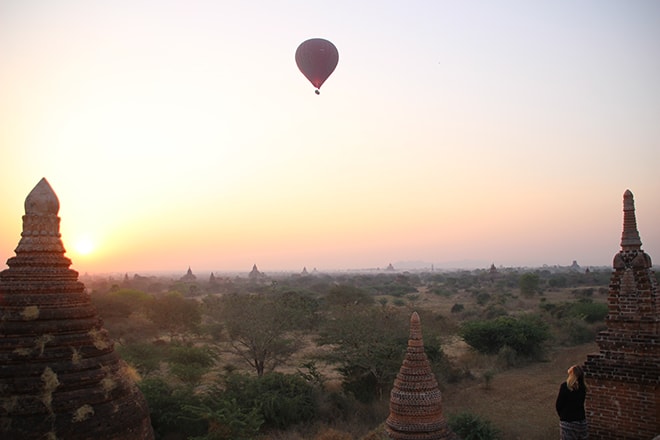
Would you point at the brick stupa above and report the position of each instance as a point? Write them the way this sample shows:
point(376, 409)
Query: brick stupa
point(415, 399)
point(623, 400)
point(60, 377)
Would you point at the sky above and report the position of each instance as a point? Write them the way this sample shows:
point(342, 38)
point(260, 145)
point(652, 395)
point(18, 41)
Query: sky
point(464, 133)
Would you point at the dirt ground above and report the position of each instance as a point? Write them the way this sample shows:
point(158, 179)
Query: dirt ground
point(520, 402)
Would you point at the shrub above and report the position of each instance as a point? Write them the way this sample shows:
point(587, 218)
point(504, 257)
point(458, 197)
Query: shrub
point(526, 335)
point(283, 400)
point(169, 409)
point(226, 419)
point(457, 307)
point(488, 378)
point(579, 332)
point(472, 427)
point(182, 354)
point(590, 311)
point(189, 363)
point(482, 298)
point(145, 356)
point(493, 311)
point(529, 284)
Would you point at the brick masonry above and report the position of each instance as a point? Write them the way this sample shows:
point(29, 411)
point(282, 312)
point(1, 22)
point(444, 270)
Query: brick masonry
point(623, 402)
point(415, 399)
point(60, 377)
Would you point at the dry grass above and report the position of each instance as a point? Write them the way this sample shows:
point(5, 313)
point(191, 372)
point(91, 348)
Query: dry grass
point(520, 402)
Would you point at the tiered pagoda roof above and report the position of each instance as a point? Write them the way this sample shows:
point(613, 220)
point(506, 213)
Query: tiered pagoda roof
point(60, 377)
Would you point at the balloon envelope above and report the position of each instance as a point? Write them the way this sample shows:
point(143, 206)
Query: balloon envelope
point(317, 59)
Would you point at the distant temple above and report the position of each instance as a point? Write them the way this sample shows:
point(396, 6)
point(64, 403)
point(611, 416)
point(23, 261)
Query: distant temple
point(189, 276)
point(255, 274)
point(415, 400)
point(60, 377)
point(575, 267)
point(623, 402)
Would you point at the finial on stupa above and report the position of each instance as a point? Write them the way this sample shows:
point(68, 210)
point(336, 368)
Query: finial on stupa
point(41, 225)
point(415, 327)
point(630, 237)
point(42, 200)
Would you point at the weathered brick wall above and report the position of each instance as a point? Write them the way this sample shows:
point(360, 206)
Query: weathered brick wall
point(622, 411)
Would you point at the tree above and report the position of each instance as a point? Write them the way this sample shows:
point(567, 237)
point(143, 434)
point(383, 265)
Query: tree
point(175, 314)
point(370, 347)
point(529, 284)
point(263, 330)
point(346, 295)
point(119, 303)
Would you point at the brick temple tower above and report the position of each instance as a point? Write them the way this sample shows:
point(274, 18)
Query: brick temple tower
point(623, 400)
point(415, 400)
point(60, 377)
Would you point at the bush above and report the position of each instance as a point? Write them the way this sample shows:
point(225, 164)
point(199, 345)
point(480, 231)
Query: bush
point(227, 420)
point(590, 311)
point(482, 298)
point(168, 408)
point(526, 335)
point(457, 308)
point(578, 331)
point(188, 363)
point(472, 427)
point(283, 400)
point(145, 356)
point(182, 354)
point(529, 284)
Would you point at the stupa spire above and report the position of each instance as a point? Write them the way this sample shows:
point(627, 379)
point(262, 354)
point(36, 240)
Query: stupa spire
point(60, 377)
point(42, 200)
point(415, 399)
point(630, 237)
point(41, 225)
point(627, 367)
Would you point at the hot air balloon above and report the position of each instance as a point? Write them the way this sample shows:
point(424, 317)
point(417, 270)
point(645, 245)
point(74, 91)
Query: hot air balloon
point(317, 58)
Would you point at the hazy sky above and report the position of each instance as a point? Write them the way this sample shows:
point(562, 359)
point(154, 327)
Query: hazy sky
point(181, 133)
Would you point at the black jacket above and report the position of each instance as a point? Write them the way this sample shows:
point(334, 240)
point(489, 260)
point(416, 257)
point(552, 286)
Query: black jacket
point(570, 404)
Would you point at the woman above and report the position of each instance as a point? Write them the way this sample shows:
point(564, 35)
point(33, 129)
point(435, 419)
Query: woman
point(570, 406)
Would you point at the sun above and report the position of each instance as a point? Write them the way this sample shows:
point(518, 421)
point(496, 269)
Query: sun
point(84, 246)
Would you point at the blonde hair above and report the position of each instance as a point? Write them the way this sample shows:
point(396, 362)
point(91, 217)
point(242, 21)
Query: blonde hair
point(575, 378)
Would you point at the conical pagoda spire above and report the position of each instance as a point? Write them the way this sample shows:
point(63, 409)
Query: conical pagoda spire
point(60, 377)
point(415, 400)
point(630, 237)
point(627, 366)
